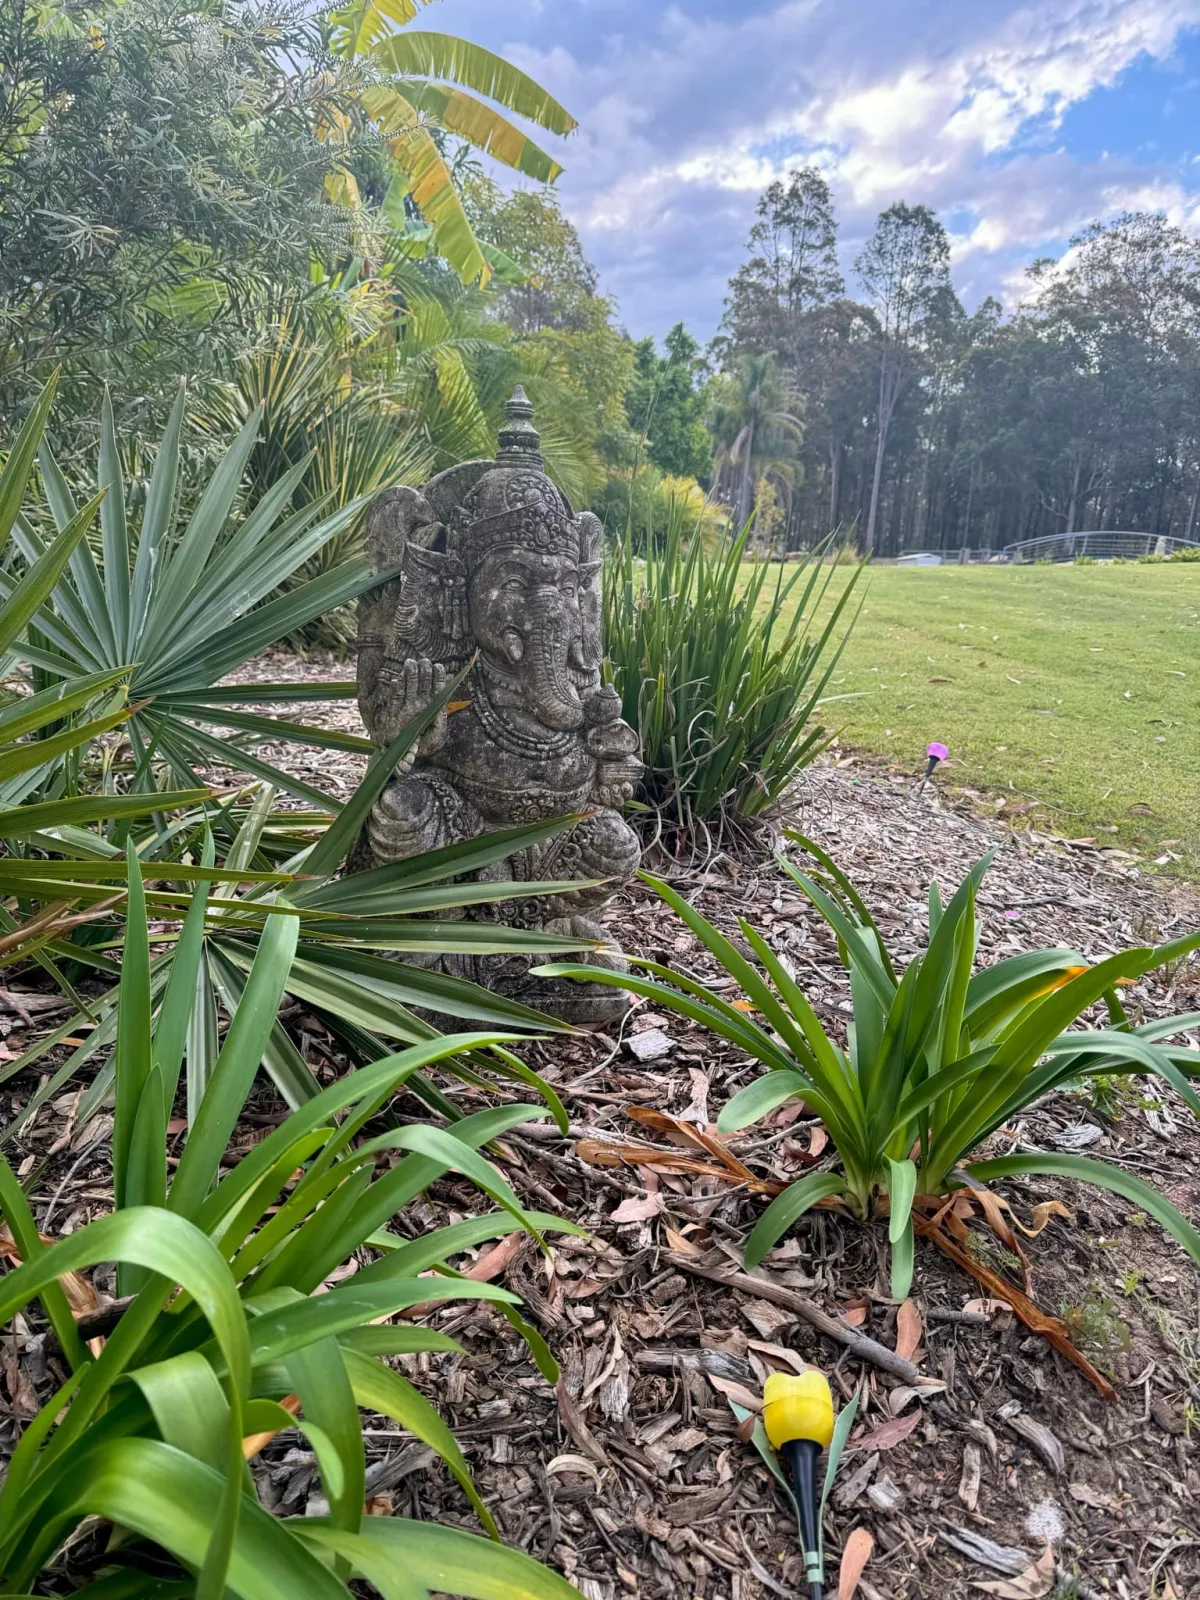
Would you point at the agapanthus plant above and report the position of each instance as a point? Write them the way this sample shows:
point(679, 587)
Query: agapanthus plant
point(937, 1059)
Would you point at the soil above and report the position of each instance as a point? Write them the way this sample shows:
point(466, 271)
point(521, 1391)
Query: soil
point(632, 1478)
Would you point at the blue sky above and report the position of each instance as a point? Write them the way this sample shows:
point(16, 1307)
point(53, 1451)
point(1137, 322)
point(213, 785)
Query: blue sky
point(1017, 123)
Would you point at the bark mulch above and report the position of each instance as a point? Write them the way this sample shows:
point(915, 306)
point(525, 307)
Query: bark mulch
point(631, 1478)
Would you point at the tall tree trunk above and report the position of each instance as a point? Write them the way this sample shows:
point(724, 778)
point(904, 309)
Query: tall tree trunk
point(877, 479)
point(888, 389)
point(966, 538)
point(1074, 497)
point(746, 498)
point(1191, 521)
point(835, 482)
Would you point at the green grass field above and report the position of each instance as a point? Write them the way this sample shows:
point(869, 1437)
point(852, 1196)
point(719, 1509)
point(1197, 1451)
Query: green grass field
point(1074, 688)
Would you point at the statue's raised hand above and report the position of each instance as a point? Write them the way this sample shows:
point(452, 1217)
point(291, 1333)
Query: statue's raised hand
point(412, 686)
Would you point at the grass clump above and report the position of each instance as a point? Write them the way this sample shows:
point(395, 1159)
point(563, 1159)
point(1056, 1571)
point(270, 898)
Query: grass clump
point(722, 669)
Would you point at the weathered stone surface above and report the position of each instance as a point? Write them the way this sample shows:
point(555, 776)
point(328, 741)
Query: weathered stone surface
point(495, 566)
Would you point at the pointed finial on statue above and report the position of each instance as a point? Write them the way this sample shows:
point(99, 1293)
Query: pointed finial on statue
point(519, 441)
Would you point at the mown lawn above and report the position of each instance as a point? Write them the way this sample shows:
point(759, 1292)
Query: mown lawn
point(1074, 688)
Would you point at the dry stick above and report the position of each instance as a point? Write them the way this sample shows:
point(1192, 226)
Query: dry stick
point(858, 1344)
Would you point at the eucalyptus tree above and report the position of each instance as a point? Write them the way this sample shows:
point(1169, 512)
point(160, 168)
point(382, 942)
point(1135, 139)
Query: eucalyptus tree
point(905, 268)
point(792, 267)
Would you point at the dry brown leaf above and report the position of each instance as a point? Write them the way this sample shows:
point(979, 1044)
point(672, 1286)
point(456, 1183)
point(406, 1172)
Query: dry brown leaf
point(854, 1316)
point(1051, 1328)
point(889, 1434)
point(690, 1137)
point(732, 1390)
point(572, 1421)
point(855, 1555)
point(972, 1472)
point(1032, 1584)
point(634, 1210)
point(629, 1153)
point(678, 1242)
point(818, 1138)
point(779, 1353)
point(583, 1288)
point(1042, 1212)
point(573, 1463)
point(908, 1330)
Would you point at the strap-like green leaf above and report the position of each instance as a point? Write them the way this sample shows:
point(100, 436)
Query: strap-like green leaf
point(114, 529)
point(38, 583)
point(445, 1559)
point(19, 463)
point(321, 1373)
point(156, 523)
point(174, 1500)
point(189, 1405)
point(759, 1099)
point(133, 1052)
point(235, 1067)
point(378, 1388)
point(1105, 1176)
point(786, 1208)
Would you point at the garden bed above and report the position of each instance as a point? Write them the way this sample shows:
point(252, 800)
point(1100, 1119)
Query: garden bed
point(632, 1480)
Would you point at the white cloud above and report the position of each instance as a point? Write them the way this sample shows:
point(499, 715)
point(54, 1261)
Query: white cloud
point(685, 118)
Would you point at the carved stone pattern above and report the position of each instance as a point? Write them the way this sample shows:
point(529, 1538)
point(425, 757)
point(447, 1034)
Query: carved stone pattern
point(494, 562)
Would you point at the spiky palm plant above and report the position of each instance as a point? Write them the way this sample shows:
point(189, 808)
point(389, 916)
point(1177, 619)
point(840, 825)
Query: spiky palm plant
point(185, 601)
point(40, 731)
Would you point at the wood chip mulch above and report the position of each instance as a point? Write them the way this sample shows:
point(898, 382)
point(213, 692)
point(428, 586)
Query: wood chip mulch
point(631, 1478)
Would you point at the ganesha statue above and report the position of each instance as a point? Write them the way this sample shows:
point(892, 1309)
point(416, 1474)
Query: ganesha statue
point(496, 575)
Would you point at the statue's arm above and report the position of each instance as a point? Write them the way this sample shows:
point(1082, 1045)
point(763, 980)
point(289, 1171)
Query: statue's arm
point(396, 517)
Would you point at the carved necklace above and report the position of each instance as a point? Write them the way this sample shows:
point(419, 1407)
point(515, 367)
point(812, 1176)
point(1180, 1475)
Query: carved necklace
point(536, 747)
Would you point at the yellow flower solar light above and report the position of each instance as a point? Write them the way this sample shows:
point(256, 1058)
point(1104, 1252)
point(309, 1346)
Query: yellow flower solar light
point(798, 1408)
point(798, 1418)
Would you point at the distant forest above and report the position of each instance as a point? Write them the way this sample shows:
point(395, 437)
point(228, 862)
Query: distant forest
point(894, 411)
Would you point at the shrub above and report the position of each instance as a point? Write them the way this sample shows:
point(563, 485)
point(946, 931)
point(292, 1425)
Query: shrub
point(226, 1338)
point(648, 503)
point(939, 1057)
point(366, 946)
point(721, 667)
point(177, 607)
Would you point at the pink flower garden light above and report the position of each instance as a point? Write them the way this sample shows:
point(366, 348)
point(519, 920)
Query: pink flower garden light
point(936, 752)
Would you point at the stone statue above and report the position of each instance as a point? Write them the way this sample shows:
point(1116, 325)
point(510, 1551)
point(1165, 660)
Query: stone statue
point(496, 571)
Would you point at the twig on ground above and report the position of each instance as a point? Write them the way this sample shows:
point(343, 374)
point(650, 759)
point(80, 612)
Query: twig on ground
point(858, 1344)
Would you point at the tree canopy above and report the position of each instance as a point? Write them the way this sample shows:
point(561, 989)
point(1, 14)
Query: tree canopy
point(928, 427)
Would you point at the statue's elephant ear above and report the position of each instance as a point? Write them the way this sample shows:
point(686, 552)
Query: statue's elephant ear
point(591, 532)
point(396, 518)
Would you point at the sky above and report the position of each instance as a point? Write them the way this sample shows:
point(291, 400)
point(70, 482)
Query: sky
point(1017, 123)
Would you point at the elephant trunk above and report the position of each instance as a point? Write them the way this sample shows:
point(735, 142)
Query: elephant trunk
point(552, 695)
